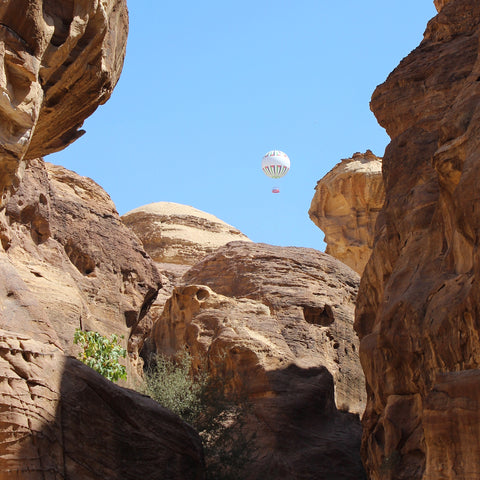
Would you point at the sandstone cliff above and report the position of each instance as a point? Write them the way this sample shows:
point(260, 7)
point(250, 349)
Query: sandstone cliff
point(67, 261)
point(277, 323)
point(418, 308)
point(78, 265)
point(58, 62)
point(179, 234)
point(346, 205)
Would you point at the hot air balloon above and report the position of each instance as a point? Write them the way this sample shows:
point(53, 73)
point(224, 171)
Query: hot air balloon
point(275, 164)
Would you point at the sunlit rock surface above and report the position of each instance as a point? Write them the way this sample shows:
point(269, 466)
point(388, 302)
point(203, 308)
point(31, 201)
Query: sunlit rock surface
point(346, 205)
point(418, 304)
point(58, 62)
point(72, 261)
point(176, 237)
point(179, 234)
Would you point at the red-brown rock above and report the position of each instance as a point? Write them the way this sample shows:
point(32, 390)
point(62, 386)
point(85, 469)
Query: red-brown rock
point(62, 420)
point(418, 310)
point(58, 62)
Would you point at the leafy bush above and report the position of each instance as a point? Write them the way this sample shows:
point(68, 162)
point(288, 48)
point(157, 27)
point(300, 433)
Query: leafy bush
point(200, 400)
point(170, 384)
point(101, 353)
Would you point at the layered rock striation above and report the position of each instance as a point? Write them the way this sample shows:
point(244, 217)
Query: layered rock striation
point(276, 323)
point(78, 265)
point(179, 234)
point(58, 61)
point(67, 261)
point(418, 310)
point(346, 205)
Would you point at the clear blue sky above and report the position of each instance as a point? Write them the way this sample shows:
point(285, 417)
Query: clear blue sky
point(209, 87)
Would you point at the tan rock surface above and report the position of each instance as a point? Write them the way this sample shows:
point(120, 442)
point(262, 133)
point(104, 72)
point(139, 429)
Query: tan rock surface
point(73, 261)
point(277, 323)
point(346, 205)
point(418, 309)
point(58, 62)
point(179, 234)
point(60, 419)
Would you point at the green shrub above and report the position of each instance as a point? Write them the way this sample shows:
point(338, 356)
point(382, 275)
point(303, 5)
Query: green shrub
point(200, 400)
point(101, 353)
point(170, 383)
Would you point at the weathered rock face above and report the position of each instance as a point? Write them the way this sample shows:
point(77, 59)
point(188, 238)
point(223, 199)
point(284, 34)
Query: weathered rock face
point(346, 205)
point(176, 237)
point(46, 89)
point(60, 419)
point(418, 308)
point(276, 322)
point(179, 234)
point(72, 261)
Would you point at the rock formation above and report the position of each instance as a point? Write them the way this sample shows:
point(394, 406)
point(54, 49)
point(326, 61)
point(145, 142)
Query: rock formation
point(346, 205)
point(67, 261)
point(46, 89)
point(77, 262)
point(60, 419)
point(418, 307)
point(176, 237)
point(277, 323)
point(179, 234)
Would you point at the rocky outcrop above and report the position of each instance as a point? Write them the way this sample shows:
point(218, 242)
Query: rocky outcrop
point(418, 308)
point(179, 234)
point(346, 205)
point(176, 237)
point(277, 324)
point(72, 261)
point(439, 4)
point(46, 89)
point(60, 419)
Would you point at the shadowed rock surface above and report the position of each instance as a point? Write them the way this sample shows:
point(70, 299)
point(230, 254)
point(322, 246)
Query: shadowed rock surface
point(418, 304)
point(277, 323)
point(62, 420)
point(346, 205)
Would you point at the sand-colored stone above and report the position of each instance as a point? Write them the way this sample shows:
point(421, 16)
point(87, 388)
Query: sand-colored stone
point(61, 420)
point(73, 262)
point(346, 205)
point(179, 234)
point(418, 304)
point(58, 62)
point(277, 324)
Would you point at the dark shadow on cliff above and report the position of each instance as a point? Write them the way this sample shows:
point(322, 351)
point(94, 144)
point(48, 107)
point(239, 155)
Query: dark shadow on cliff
point(104, 432)
point(301, 435)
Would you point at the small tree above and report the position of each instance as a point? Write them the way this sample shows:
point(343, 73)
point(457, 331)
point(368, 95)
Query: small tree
point(101, 353)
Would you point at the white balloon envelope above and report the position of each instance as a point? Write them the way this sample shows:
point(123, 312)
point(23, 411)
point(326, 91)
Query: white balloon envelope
point(275, 164)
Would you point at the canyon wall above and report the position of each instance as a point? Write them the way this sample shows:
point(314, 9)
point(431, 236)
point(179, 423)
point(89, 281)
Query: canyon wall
point(67, 261)
point(58, 62)
point(418, 310)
